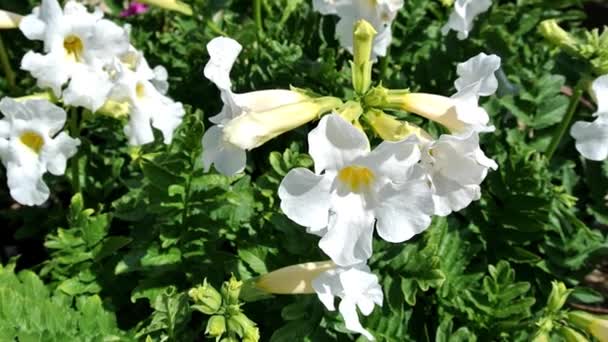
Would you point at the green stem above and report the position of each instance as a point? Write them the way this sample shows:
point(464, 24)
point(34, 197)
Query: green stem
point(74, 162)
point(557, 137)
point(258, 16)
point(6, 66)
point(384, 64)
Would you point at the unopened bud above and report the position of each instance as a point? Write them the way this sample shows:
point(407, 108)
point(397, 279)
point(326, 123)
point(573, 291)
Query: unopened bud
point(173, 5)
point(389, 128)
point(557, 35)
point(364, 34)
point(206, 298)
point(216, 326)
point(571, 335)
point(557, 298)
point(231, 290)
point(252, 335)
point(241, 325)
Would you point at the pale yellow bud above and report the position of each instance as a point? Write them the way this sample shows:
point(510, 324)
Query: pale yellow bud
point(174, 5)
point(596, 326)
point(557, 35)
point(296, 279)
point(571, 335)
point(391, 129)
point(364, 34)
point(9, 20)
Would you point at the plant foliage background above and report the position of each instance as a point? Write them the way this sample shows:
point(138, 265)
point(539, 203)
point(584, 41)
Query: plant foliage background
point(116, 262)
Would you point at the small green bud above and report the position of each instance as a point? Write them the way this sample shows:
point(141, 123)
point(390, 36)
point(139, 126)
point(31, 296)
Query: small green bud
point(541, 337)
point(596, 326)
point(173, 5)
point(216, 326)
point(252, 335)
point(231, 290)
point(230, 339)
point(571, 335)
point(241, 325)
point(206, 298)
point(557, 35)
point(557, 298)
point(364, 34)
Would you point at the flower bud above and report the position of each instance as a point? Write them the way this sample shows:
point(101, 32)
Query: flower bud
point(242, 326)
point(596, 326)
point(230, 339)
point(173, 5)
point(364, 34)
point(9, 20)
point(571, 335)
point(557, 35)
point(558, 296)
point(252, 335)
point(216, 326)
point(231, 290)
point(253, 129)
point(350, 111)
point(389, 128)
point(207, 299)
point(295, 279)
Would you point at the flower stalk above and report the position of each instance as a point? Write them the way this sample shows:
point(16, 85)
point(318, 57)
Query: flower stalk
point(6, 66)
point(561, 130)
point(74, 123)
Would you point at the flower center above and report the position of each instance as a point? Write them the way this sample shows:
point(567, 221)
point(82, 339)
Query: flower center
point(357, 178)
point(140, 90)
point(32, 140)
point(73, 48)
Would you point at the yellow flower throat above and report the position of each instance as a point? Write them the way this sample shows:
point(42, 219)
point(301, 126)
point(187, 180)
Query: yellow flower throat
point(357, 178)
point(32, 140)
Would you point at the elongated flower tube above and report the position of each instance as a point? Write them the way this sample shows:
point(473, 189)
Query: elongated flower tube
point(596, 326)
point(248, 120)
point(592, 137)
point(173, 5)
point(77, 47)
point(31, 145)
point(465, 12)
point(389, 128)
point(9, 20)
point(354, 190)
point(356, 287)
point(459, 113)
point(379, 13)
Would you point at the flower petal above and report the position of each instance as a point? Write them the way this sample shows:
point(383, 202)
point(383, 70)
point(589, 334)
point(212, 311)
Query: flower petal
point(327, 286)
point(227, 158)
point(305, 198)
point(478, 72)
point(80, 92)
point(26, 184)
point(138, 130)
point(599, 90)
point(394, 160)
point(334, 143)
point(223, 52)
point(50, 71)
point(57, 151)
point(348, 239)
point(348, 310)
point(404, 210)
point(591, 138)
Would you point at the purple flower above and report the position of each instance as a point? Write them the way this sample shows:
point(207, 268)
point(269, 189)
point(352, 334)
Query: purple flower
point(134, 8)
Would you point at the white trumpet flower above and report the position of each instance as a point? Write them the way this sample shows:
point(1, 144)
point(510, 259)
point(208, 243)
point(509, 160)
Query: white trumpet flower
point(136, 84)
point(379, 13)
point(247, 120)
point(460, 113)
point(353, 190)
point(465, 12)
point(30, 146)
point(356, 287)
point(455, 166)
point(592, 137)
point(77, 47)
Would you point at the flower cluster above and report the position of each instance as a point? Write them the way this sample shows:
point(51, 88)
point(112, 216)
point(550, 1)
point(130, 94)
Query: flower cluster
point(87, 61)
point(82, 48)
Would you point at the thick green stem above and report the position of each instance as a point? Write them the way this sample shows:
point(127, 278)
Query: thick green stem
point(384, 64)
point(75, 161)
point(557, 137)
point(6, 67)
point(258, 16)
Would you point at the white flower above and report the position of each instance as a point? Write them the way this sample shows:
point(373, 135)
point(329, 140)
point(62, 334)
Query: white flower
point(455, 166)
point(356, 287)
point(77, 46)
point(227, 152)
point(461, 19)
point(379, 13)
point(592, 137)
point(136, 84)
point(353, 190)
point(30, 146)
point(460, 113)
